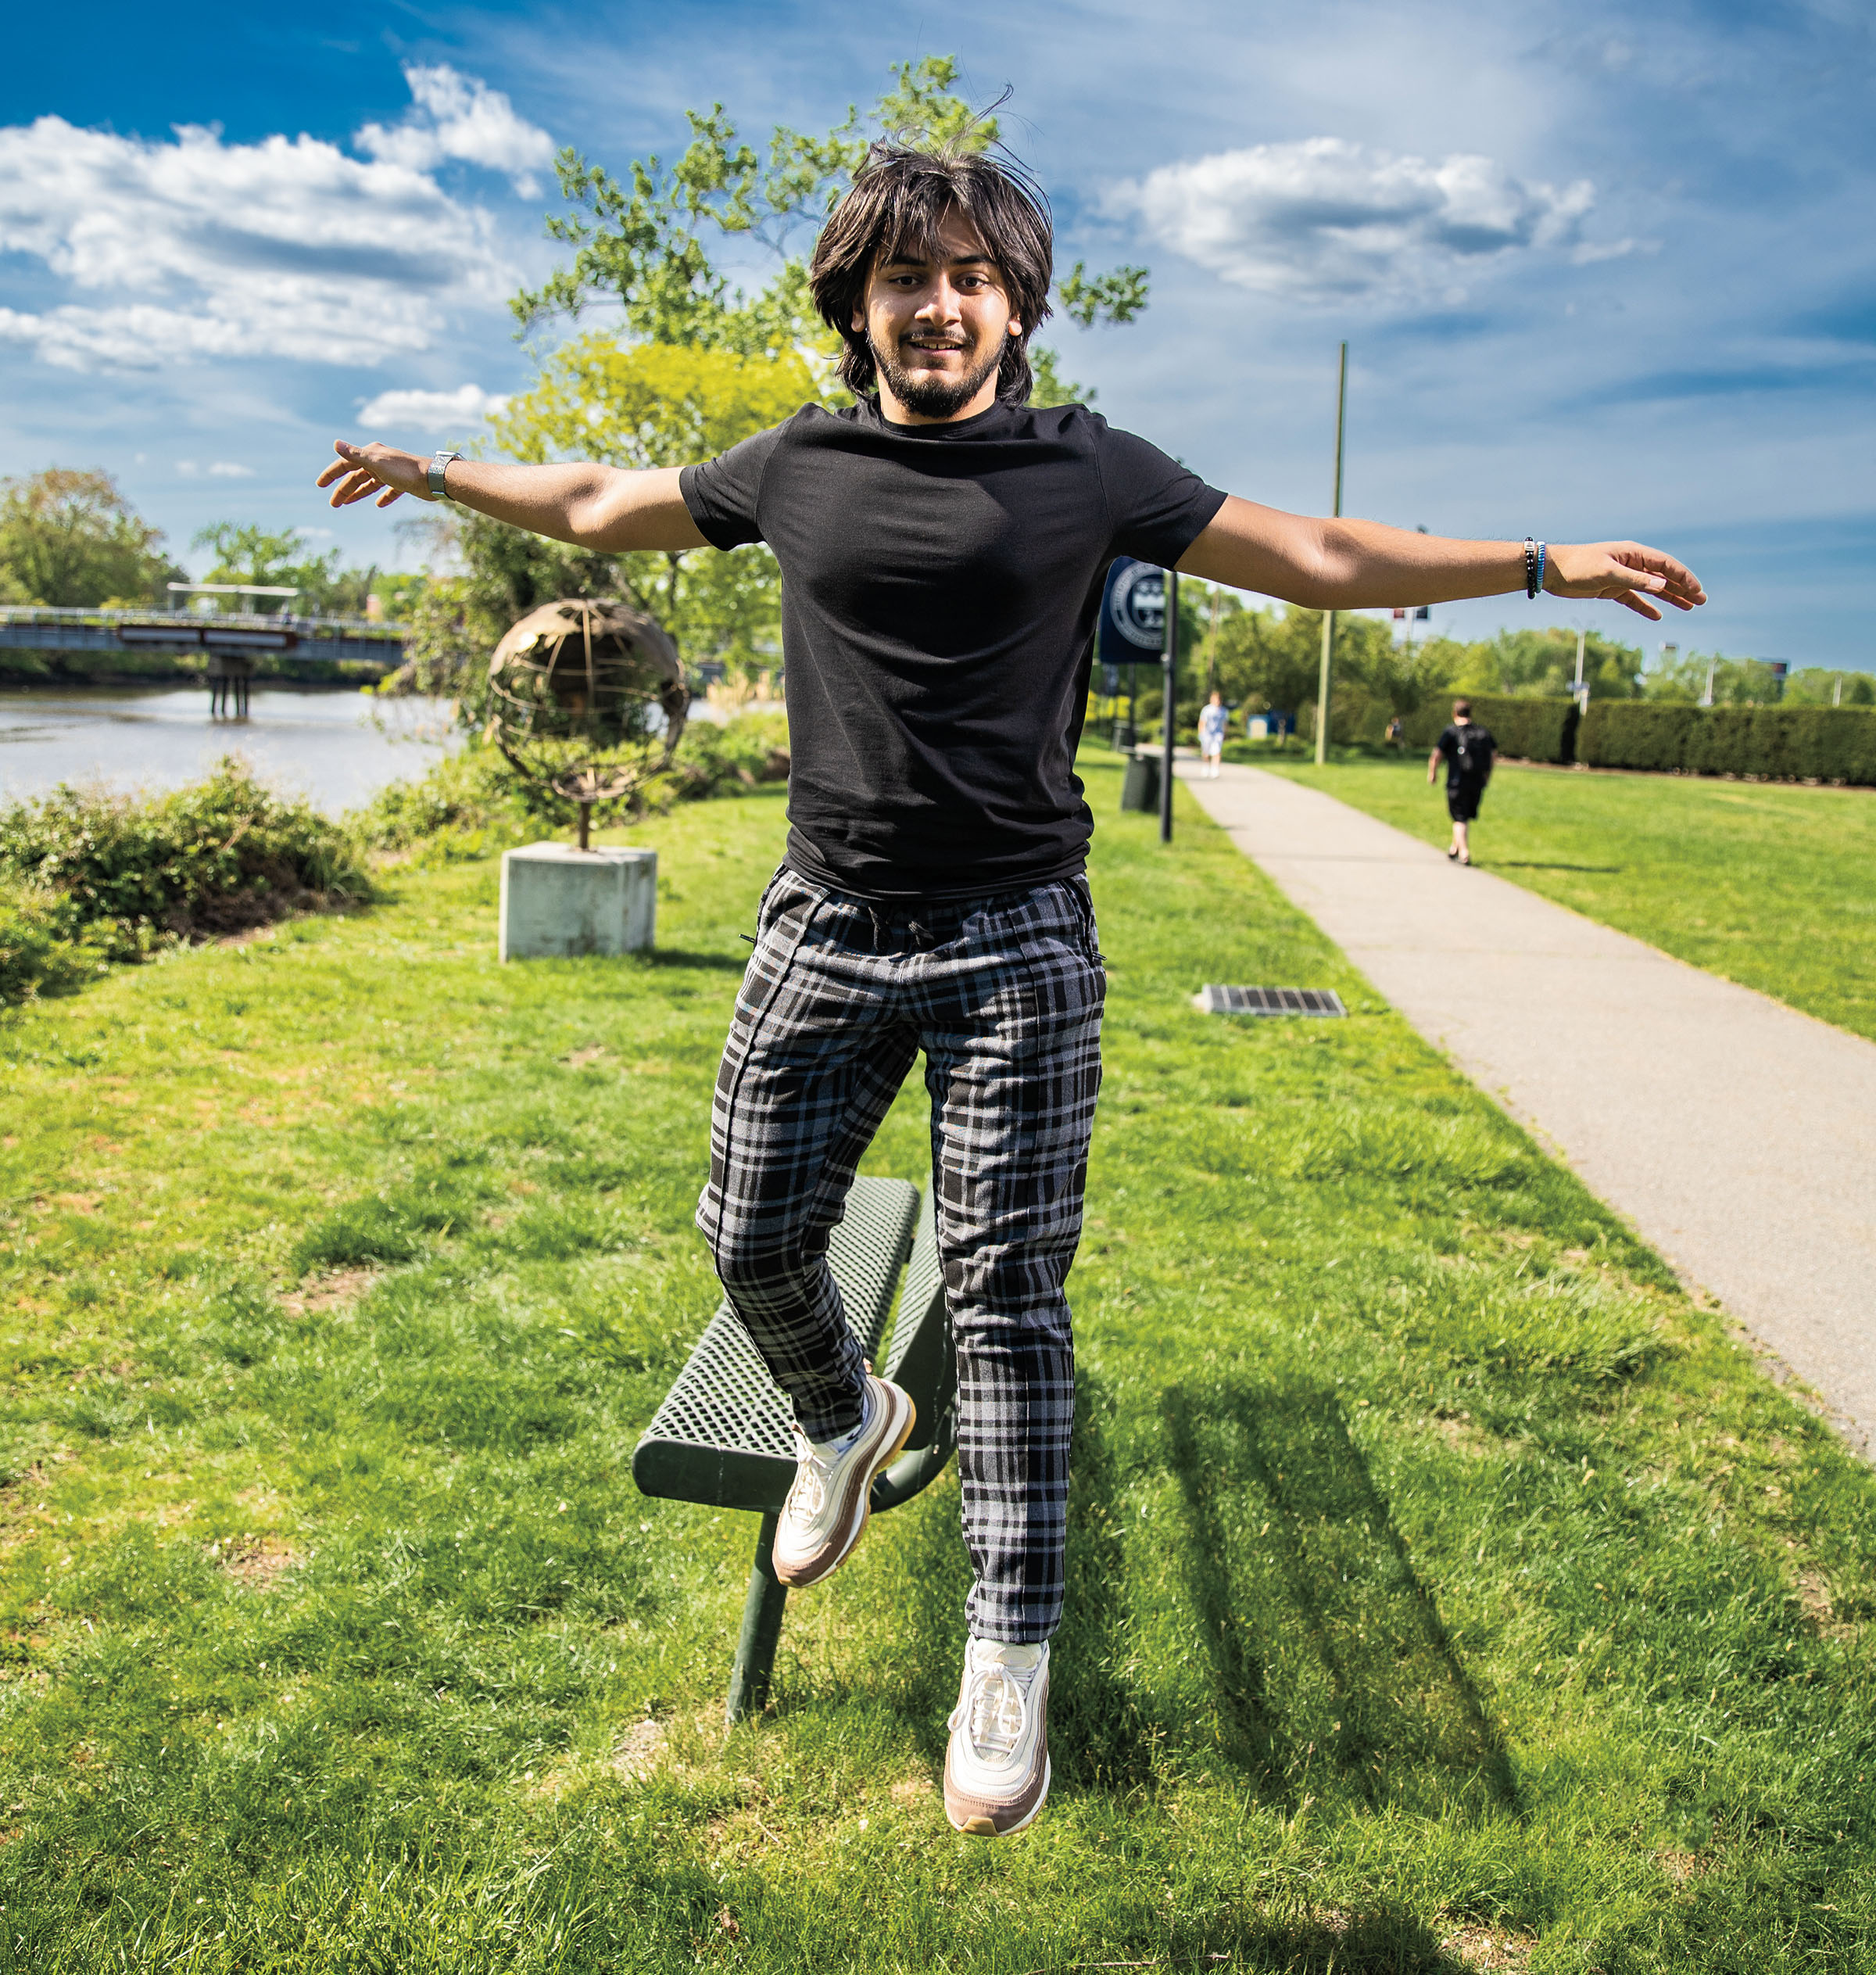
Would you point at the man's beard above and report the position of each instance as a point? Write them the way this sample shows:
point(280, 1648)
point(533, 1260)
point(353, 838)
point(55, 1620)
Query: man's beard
point(933, 394)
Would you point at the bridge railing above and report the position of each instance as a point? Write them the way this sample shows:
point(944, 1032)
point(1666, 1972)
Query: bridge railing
point(334, 627)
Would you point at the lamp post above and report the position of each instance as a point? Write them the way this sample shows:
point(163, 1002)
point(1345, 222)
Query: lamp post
point(1170, 665)
point(1322, 690)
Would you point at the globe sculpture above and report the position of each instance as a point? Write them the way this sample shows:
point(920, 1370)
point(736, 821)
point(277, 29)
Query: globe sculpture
point(588, 701)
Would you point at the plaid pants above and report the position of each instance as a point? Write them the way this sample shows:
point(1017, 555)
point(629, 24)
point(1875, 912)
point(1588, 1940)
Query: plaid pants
point(1004, 996)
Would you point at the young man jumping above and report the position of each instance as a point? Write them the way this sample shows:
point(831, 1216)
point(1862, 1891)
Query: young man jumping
point(943, 547)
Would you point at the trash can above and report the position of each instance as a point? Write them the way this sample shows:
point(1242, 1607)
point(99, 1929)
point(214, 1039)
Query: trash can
point(1141, 790)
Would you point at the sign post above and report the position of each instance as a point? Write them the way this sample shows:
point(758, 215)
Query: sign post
point(1133, 614)
point(1169, 667)
point(1322, 690)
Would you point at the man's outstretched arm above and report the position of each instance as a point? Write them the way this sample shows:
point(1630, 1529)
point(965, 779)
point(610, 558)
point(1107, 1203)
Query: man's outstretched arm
point(1345, 565)
point(604, 508)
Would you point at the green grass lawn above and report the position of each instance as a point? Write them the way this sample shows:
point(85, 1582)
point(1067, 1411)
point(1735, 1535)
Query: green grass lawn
point(1773, 886)
point(1446, 1591)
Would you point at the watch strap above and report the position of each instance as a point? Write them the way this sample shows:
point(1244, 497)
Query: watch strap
point(439, 465)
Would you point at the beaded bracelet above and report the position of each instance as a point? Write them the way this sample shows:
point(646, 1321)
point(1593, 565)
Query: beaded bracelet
point(1535, 553)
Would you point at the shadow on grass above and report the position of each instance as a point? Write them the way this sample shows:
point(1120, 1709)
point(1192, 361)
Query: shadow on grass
point(1325, 1650)
point(678, 956)
point(1522, 864)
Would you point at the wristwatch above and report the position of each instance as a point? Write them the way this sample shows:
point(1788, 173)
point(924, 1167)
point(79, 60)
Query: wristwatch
point(439, 465)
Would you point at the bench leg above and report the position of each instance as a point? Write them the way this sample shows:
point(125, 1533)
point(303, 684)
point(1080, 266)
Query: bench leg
point(761, 1628)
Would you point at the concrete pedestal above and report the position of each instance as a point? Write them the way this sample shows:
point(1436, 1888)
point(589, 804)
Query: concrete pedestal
point(558, 901)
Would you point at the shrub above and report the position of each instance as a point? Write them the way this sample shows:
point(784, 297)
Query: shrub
point(1524, 729)
point(43, 947)
point(473, 802)
point(1791, 744)
point(133, 873)
point(724, 761)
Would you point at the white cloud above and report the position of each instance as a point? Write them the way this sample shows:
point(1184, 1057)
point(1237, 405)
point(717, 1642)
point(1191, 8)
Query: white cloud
point(431, 411)
point(196, 249)
point(215, 470)
point(1327, 220)
point(456, 115)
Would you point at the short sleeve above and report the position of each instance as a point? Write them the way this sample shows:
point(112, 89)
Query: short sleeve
point(1158, 508)
point(723, 494)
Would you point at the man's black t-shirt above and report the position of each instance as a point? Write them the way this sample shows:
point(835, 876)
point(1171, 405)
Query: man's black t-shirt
point(939, 587)
point(1468, 751)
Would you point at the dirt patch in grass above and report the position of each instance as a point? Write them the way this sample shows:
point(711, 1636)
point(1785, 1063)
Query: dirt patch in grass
point(639, 1749)
point(329, 1291)
point(1489, 1948)
point(256, 1562)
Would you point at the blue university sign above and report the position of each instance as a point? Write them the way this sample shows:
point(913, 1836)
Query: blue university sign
point(1132, 612)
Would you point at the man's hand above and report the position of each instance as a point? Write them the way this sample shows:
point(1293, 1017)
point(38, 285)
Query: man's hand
point(363, 471)
point(1624, 572)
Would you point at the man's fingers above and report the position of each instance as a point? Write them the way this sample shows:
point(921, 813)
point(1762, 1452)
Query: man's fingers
point(389, 495)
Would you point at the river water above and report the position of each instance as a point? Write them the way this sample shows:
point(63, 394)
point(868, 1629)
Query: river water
point(337, 749)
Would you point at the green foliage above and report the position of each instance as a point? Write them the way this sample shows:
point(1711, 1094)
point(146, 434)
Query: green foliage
point(1442, 1580)
point(1818, 686)
point(1781, 743)
point(69, 539)
point(246, 552)
point(472, 803)
point(136, 873)
point(654, 405)
point(43, 948)
point(1117, 296)
point(1540, 663)
point(1524, 729)
point(1735, 682)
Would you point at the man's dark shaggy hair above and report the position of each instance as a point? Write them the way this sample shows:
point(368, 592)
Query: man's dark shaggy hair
point(898, 200)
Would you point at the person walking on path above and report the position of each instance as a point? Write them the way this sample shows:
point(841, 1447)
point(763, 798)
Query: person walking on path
point(942, 545)
point(1211, 722)
point(1467, 749)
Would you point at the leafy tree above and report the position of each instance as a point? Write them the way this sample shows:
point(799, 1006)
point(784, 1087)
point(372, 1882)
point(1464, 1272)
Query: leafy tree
point(660, 405)
point(246, 552)
point(69, 539)
point(1736, 681)
point(1818, 685)
point(1542, 665)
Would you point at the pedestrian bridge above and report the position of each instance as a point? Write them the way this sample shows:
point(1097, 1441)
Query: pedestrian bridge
point(367, 641)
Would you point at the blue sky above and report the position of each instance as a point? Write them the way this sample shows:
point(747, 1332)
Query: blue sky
point(1613, 277)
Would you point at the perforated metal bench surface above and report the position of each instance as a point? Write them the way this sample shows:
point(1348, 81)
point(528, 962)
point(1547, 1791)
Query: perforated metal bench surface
point(723, 1435)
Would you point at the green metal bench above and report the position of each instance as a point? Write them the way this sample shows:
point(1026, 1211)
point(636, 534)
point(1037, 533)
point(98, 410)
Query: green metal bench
point(723, 1437)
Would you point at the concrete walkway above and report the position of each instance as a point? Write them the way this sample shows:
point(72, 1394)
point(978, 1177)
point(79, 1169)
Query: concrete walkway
point(1737, 1136)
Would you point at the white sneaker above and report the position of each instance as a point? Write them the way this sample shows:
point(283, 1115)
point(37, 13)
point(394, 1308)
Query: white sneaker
point(827, 1508)
point(996, 1768)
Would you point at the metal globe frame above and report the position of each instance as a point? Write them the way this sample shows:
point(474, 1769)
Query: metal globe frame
point(572, 687)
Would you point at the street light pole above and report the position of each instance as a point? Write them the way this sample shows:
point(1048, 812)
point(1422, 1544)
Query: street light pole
point(1322, 690)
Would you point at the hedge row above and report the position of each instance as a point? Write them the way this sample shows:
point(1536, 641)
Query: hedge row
point(1782, 743)
point(1527, 730)
point(1777, 743)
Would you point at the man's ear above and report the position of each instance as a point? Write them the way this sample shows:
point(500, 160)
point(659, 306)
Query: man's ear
point(1014, 327)
point(859, 321)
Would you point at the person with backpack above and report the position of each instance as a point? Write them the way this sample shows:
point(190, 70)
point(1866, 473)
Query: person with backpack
point(1467, 750)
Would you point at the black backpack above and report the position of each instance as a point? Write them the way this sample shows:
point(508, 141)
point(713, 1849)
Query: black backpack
point(1473, 750)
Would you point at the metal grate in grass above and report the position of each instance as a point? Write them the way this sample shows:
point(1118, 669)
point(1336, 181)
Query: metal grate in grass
point(1212, 999)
